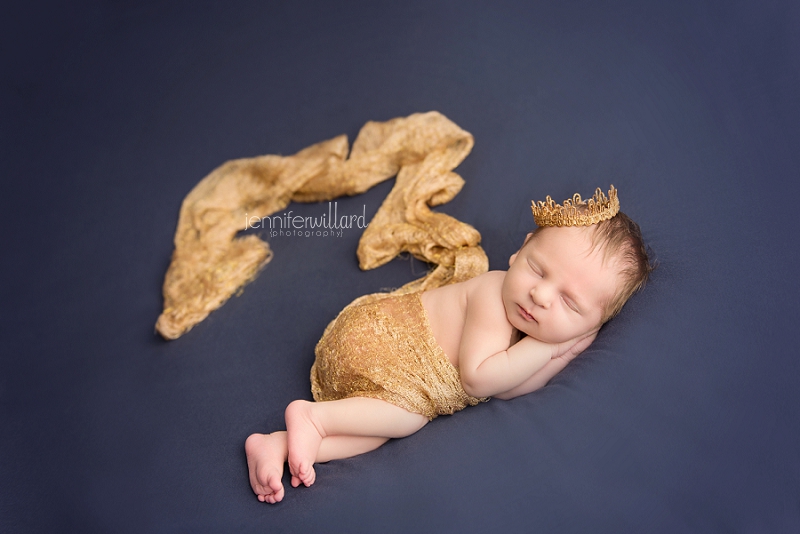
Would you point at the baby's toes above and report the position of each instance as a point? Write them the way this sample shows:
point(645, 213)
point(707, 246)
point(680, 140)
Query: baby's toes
point(275, 497)
point(303, 474)
point(308, 475)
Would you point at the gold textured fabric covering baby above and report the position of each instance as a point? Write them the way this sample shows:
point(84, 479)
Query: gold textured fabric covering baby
point(381, 346)
point(210, 262)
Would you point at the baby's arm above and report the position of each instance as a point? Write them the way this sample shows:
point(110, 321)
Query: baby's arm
point(541, 377)
point(488, 366)
point(524, 367)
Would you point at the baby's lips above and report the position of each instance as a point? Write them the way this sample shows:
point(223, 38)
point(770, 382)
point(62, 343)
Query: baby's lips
point(526, 315)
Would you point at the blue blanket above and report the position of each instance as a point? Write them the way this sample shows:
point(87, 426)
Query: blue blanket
point(683, 415)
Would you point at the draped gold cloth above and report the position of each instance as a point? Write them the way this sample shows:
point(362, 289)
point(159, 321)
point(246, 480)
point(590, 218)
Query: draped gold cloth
point(382, 347)
point(210, 263)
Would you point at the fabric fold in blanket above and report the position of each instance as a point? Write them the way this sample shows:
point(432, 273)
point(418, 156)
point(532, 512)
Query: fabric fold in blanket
point(210, 262)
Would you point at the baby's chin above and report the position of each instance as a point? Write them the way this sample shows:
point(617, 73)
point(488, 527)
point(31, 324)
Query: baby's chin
point(543, 338)
point(550, 340)
point(554, 340)
point(535, 331)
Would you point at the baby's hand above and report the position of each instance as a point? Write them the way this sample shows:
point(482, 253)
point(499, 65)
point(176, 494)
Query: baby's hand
point(568, 350)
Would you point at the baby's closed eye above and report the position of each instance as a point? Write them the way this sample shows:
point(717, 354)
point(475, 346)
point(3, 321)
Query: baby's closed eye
point(570, 304)
point(535, 269)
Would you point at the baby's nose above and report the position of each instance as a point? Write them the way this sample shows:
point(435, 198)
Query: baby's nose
point(539, 296)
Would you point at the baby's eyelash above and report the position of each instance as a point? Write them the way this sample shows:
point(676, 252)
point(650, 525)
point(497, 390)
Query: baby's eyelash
point(571, 305)
point(534, 269)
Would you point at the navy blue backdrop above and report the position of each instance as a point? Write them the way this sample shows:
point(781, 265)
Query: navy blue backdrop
point(683, 416)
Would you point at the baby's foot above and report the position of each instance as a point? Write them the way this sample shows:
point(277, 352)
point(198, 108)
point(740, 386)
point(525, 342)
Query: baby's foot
point(266, 454)
point(303, 440)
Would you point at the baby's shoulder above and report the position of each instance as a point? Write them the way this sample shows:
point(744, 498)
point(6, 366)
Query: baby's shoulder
point(485, 289)
point(485, 308)
point(487, 282)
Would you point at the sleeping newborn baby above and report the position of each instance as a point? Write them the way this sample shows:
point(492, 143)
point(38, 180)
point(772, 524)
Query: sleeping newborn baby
point(390, 363)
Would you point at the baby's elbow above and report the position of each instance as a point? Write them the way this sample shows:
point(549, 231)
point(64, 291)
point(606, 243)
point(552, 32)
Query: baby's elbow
point(469, 390)
point(473, 386)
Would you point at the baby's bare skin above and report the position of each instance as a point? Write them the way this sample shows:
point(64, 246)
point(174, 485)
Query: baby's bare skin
point(508, 333)
point(266, 454)
point(502, 327)
point(320, 432)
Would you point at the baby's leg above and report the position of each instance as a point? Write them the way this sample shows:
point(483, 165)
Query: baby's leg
point(339, 447)
point(307, 423)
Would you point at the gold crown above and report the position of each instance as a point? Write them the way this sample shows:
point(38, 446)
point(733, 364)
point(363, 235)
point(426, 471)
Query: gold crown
point(576, 212)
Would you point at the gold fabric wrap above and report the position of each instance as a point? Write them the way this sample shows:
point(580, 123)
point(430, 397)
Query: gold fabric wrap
point(210, 263)
point(382, 347)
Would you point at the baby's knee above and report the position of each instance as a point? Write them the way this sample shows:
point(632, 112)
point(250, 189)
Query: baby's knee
point(295, 408)
point(422, 420)
point(414, 422)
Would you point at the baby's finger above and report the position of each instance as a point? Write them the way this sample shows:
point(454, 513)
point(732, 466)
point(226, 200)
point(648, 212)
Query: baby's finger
point(581, 345)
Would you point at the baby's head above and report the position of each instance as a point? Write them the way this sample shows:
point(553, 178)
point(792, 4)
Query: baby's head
point(576, 271)
point(619, 241)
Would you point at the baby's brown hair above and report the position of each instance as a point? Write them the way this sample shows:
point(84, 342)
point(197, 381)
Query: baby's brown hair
point(621, 238)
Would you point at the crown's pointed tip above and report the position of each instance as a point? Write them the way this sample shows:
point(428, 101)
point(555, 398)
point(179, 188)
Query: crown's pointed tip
point(600, 208)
